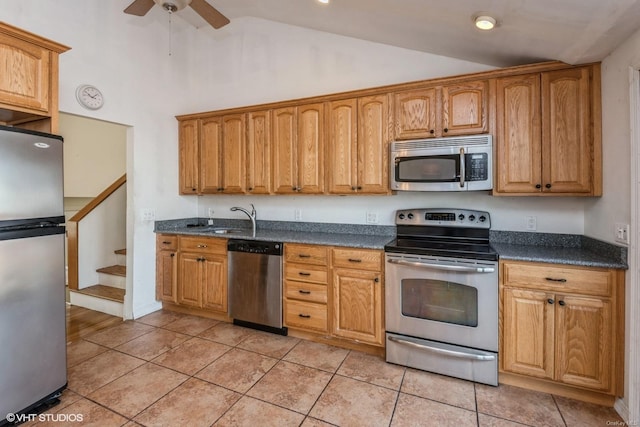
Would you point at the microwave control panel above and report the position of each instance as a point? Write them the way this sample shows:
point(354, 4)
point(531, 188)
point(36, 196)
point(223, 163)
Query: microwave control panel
point(476, 166)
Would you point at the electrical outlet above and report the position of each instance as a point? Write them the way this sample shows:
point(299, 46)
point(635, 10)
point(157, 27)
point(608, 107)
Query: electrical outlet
point(372, 217)
point(530, 223)
point(297, 214)
point(148, 214)
point(622, 233)
point(210, 213)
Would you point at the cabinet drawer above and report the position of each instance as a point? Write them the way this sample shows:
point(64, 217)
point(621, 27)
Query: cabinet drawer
point(305, 291)
point(306, 254)
point(361, 259)
point(306, 315)
point(203, 245)
point(306, 273)
point(166, 242)
point(558, 278)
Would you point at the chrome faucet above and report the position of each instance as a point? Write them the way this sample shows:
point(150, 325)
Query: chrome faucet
point(251, 215)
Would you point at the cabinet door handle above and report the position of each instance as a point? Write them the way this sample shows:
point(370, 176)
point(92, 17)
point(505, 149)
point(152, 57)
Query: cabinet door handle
point(377, 279)
point(304, 256)
point(353, 188)
point(551, 279)
point(547, 185)
point(202, 246)
point(172, 255)
point(304, 273)
point(562, 303)
point(354, 260)
point(445, 130)
point(432, 131)
point(305, 316)
point(538, 186)
point(303, 291)
point(550, 301)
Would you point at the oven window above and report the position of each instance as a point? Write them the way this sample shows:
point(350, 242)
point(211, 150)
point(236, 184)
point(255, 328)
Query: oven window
point(428, 169)
point(441, 301)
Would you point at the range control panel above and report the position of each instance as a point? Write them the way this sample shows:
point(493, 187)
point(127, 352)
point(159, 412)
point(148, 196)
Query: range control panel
point(444, 217)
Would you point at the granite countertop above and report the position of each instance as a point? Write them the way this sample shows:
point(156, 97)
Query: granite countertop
point(566, 249)
point(569, 249)
point(351, 235)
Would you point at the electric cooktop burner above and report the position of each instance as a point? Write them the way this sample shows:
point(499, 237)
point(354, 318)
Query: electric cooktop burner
point(454, 233)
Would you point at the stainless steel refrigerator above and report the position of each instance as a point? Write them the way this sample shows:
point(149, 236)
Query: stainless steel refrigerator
point(32, 273)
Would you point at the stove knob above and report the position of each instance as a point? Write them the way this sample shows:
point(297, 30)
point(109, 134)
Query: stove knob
point(410, 216)
point(401, 216)
point(472, 218)
point(461, 217)
point(482, 218)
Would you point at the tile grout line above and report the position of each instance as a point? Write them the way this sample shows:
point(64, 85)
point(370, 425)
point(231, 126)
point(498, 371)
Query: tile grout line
point(395, 405)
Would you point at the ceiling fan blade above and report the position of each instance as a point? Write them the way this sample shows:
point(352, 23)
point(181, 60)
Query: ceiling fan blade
point(139, 7)
point(209, 13)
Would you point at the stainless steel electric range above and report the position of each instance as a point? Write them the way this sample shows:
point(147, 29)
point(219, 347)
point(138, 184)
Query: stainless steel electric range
point(441, 294)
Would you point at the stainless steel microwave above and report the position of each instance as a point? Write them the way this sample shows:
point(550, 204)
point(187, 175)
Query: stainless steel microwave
point(442, 164)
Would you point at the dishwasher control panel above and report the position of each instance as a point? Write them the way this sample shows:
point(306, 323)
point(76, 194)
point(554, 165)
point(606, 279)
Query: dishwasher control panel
point(255, 247)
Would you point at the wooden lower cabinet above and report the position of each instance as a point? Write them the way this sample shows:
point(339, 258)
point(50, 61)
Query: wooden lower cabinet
point(199, 274)
point(563, 324)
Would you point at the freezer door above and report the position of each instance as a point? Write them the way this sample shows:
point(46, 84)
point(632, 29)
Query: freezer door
point(32, 320)
point(30, 175)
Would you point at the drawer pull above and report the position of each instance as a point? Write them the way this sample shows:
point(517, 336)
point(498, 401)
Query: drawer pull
point(354, 260)
point(166, 243)
point(304, 256)
point(305, 316)
point(551, 279)
point(303, 273)
point(202, 246)
point(305, 292)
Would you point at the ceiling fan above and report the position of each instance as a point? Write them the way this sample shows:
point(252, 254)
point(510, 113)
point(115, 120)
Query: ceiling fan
point(201, 7)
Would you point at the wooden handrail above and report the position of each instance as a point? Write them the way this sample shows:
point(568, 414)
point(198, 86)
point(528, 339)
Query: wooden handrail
point(72, 229)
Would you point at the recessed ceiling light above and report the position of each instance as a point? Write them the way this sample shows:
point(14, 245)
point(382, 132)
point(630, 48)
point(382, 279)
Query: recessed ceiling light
point(485, 22)
point(324, 1)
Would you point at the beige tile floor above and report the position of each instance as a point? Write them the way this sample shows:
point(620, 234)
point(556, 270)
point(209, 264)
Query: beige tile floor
point(169, 369)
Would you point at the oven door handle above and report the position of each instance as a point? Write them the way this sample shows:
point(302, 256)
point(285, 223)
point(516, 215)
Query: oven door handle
point(452, 353)
point(443, 267)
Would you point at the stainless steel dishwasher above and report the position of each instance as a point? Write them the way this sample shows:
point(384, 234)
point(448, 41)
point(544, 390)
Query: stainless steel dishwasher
point(255, 284)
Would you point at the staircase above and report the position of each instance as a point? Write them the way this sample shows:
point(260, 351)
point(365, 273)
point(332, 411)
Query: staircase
point(108, 295)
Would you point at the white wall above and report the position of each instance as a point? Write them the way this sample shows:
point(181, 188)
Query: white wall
point(247, 62)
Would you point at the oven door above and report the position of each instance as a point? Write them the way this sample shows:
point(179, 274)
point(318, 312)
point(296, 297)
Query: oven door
point(449, 300)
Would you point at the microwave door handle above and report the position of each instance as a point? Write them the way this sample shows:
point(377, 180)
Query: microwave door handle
point(460, 268)
point(462, 171)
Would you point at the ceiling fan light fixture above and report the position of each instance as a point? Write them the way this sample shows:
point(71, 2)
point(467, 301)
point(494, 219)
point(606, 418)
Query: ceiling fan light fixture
point(485, 22)
point(173, 5)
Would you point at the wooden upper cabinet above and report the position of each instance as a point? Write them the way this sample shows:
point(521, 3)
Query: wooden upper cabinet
point(259, 152)
point(518, 134)
point(358, 138)
point(457, 109)
point(210, 155)
point(566, 131)
point(189, 155)
point(415, 114)
point(232, 161)
point(29, 79)
point(547, 133)
point(464, 108)
point(298, 149)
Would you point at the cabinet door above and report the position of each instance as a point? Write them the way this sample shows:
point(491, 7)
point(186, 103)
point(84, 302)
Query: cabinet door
point(357, 310)
point(259, 152)
point(373, 138)
point(518, 135)
point(233, 152)
point(285, 169)
point(566, 137)
point(464, 108)
point(189, 156)
point(528, 331)
point(415, 114)
point(584, 328)
point(166, 276)
point(24, 81)
point(210, 152)
point(190, 279)
point(343, 154)
point(310, 148)
point(214, 283)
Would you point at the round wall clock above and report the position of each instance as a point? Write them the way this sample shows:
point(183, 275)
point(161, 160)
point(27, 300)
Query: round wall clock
point(89, 97)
